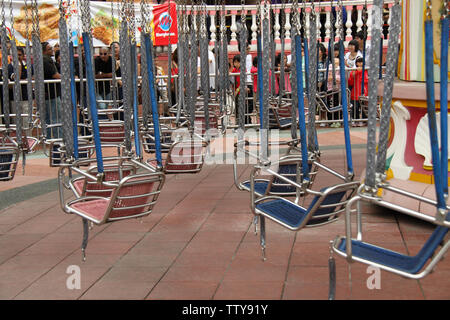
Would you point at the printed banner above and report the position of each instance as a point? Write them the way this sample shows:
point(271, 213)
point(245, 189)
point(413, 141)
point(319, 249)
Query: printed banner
point(104, 22)
point(165, 24)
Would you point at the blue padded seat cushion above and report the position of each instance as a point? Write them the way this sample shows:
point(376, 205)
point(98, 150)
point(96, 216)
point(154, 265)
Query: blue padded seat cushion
point(260, 187)
point(292, 215)
point(409, 264)
point(283, 211)
point(284, 169)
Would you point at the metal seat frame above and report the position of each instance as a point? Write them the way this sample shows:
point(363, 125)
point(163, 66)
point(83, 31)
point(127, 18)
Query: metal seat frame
point(348, 187)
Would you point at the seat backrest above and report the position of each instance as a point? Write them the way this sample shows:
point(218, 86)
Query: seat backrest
point(285, 110)
point(186, 156)
point(148, 140)
point(113, 173)
point(85, 151)
point(274, 121)
point(111, 132)
point(290, 168)
point(280, 187)
point(430, 247)
point(135, 196)
point(331, 202)
point(200, 122)
point(8, 162)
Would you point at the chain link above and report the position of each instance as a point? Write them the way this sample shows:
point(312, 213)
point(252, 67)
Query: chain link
point(428, 10)
point(446, 11)
point(3, 13)
point(340, 31)
point(303, 18)
point(85, 16)
point(35, 16)
point(364, 20)
point(12, 19)
point(27, 22)
point(132, 18)
point(203, 32)
point(296, 15)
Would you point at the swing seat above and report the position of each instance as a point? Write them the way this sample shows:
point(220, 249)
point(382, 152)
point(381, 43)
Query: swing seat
point(200, 123)
point(134, 196)
point(111, 132)
point(82, 186)
point(185, 156)
point(408, 266)
point(56, 153)
point(371, 254)
point(275, 121)
point(364, 103)
point(289, 166)
point(8, 162)
point(148, 140)
point(260, 186)
point(323, 98)
point(324, 208)
point(29, 143)
point(285, 110)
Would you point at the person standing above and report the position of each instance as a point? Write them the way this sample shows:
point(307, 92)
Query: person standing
point(360, 38)
point(22, 73)
point(103, 72)
point(354, 81)
point(352, 54)
point(52, 92)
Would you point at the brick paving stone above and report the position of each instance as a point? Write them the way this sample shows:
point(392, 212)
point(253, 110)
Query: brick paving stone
point(249, 290)
point(199, 243)
point(183, 290)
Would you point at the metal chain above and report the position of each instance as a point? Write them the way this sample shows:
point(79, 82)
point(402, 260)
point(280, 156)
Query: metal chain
point(3, 12)
point(392, 53)
point(266, 11)
point(202, 29)
point(364, 20)
point(29, 69)
point(296, 15)
point(11, 19)
point(27, 22)
point(66, 103)
point(282, 54)
point(446, 12)
point(34, 15)
point(372, 99)
point(340, 21)
point(132, 24)
point(428, 10)
point(304, 18)
point(240, 108)
point(17, 88)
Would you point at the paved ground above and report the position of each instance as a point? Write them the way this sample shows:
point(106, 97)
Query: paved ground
point(197, 244)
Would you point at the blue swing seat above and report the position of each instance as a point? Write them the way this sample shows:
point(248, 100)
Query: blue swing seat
point(292, 215)
point(260, 186)
point(391, 259)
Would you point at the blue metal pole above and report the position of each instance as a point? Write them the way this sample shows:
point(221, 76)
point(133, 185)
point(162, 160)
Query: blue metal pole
point(93, 101)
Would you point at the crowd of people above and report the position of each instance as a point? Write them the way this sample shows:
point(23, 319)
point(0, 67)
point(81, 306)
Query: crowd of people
point(104, 71)
point(354, 60)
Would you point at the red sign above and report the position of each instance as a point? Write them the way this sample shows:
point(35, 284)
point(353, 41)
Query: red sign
point(165, 23)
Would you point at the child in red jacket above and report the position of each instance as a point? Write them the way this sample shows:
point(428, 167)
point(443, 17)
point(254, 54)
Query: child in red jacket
point(355, 81)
